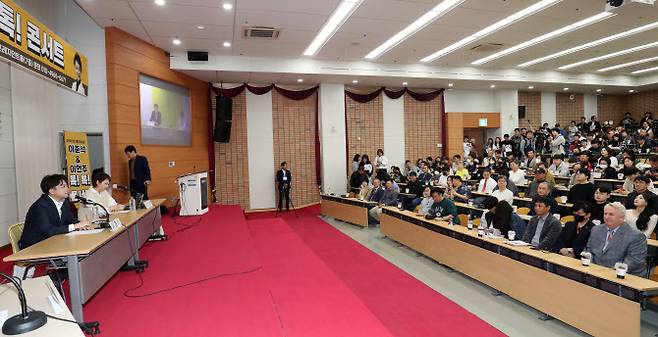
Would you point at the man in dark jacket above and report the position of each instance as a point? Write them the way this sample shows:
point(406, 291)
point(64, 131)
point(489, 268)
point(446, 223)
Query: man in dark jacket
point(358, 177)
point(51, 213)
point(543, 229)
point(284, 179)
point(139, 172)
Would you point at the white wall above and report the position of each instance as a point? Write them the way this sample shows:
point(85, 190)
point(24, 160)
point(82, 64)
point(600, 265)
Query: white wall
point(548, 109)
point(8, 203)
point(470, 101)
point(507, 102)
point(591, 105)
point(260, 143)
point(394, 130)
point(332, 137)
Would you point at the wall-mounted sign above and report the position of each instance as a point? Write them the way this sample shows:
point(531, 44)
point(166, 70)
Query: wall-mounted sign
point(27, 42)
point(483, 122)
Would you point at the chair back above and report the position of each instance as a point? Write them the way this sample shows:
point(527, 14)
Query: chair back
point(567, 218)
point(15, 233)
point(523, 210)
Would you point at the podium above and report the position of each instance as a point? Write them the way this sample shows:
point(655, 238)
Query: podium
point(193, 193)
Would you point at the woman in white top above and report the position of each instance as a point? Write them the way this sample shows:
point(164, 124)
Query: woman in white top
point(607, 153)
point(99, 193)
point(644, 216)
point(382, 164)
point(516, 175)
point(502, 193)
point(367, 165)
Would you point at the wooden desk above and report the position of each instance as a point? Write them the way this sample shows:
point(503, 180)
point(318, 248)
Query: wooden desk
point(589, 298)
point(36, 293)
point(350, 210)
point(93, 258)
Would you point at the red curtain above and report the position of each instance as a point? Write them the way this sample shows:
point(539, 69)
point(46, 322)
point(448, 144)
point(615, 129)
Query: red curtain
point(365, 98)
point(296, 95)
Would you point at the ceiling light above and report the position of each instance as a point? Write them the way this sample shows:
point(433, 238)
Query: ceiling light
point(451, 84)
point(565, 89)
point(631, 91)
point(300, 80)
point(337, 18)
point(176, 41)
point(200, 27)
point(531, 87)
point(591, 44)
point(599, 90)
point(404, 83)
point(227, 6)
point(226, 44)
point(420, 23)
point(561, 31)
point(159, 2)
point(624, 65)
point(355, 81)
point(492, 86)
point(520, 15)
point(611, 55)
point(645, 70)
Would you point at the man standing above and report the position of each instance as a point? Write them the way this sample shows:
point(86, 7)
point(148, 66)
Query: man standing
point(543, 229)
point(139, 172)
point(284, 178)
point(618, 242)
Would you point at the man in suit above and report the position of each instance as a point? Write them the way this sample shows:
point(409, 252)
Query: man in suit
point(616, 241)
point(51, 213)
point(284, 178)
point(389, 197)
point(543, 229)
point(139, 172)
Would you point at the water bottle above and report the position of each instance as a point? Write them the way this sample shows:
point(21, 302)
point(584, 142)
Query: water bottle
point(133, 204)
point(400, 205)
point(470, 224)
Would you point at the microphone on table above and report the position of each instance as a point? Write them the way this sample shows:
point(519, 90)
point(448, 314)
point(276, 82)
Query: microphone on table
point(83, 200)
point(123, 188)
point(26, 321)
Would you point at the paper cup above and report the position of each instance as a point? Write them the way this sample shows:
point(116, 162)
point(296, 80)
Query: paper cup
point(511, 235)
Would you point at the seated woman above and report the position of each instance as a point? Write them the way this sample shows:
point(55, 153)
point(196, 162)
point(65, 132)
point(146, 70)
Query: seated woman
point(575, 234)
point(99, 194)
point(644, 216)
point(504, 219)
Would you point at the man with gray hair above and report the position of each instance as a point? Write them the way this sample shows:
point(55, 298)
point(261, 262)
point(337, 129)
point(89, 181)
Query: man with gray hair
point(616, 241)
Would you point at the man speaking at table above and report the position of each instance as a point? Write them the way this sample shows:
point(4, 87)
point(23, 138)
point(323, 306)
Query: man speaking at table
point(51, 213)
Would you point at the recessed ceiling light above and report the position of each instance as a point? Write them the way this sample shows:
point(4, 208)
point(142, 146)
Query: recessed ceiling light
point(337, 18)
point(420, 23)
point(599, 90)
point(227, 6)
point(451, 84)
point(159, 2)
point(645, 70)
point(611, 55)
point(565, 89)
point(355, 81)
point(300, 80)
point(492, 86)
point(560, 31)
point(591, 44)
point(520, 15)
point(631, 91)
point(176, 41)
point(200, 27)
point(624, 65)
point(226, 44)
point(531, 87)
point(405, 83)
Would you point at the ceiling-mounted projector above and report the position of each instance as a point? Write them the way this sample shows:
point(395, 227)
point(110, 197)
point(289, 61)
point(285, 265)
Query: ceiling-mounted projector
point(612, 5)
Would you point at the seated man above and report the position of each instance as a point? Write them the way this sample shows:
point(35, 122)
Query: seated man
point(416, 188)
point(601, 196)
point(641, 184)
point(425, 175)
point(377, 191)
point(540, 177)
point(543, 190)
point(543, 229)
point(442, 209)
point(389, 197)
point(616, 241)
point(487, 184)
point(559, 167)
point(358, 177)
point(459, 192)
point(51, 213)
point(583, 190)
point(575, 234)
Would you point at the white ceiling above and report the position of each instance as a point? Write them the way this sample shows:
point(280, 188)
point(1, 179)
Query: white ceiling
point(373, 23)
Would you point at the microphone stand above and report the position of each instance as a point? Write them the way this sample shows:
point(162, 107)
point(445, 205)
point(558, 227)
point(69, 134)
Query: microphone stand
point(106, 223)
point(26, 321)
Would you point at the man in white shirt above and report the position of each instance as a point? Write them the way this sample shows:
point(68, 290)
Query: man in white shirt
point(502, 193)
point(487, 184)
point(559, 167)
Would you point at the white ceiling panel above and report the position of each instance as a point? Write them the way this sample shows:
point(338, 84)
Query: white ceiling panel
point(186, 30)
point(148, 11)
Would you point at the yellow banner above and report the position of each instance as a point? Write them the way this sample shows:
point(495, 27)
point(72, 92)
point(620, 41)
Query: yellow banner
point(77, 162)
point(27, 42)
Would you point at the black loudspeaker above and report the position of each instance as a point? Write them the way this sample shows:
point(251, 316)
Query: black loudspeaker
point(224, 108)
point(197, 56)
point(222, 132)
point(521, 112)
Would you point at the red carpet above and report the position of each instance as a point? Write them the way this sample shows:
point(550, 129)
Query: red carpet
point(272, 276)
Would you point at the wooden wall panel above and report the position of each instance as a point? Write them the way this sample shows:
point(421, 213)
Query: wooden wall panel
point(127, 57)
